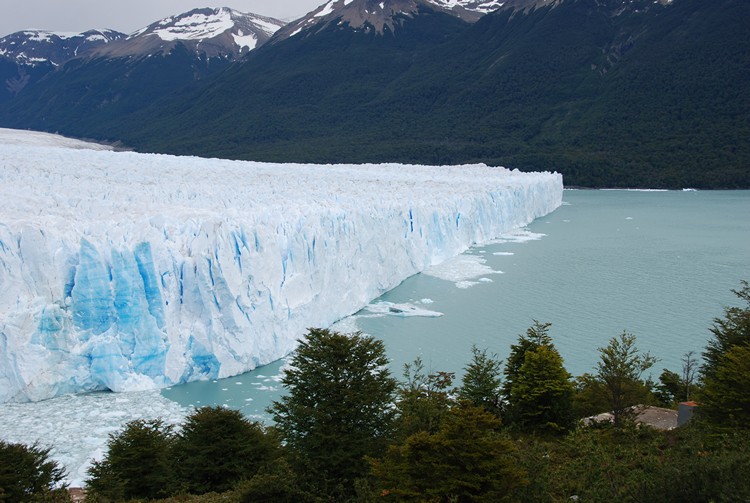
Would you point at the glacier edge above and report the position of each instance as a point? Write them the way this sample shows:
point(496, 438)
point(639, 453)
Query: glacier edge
point(126, 271)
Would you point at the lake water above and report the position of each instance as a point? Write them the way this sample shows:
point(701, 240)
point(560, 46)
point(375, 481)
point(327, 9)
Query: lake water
point(660, 265)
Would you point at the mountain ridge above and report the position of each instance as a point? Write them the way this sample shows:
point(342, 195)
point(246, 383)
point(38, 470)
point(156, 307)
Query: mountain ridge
point(610, 93)
point(380, 15)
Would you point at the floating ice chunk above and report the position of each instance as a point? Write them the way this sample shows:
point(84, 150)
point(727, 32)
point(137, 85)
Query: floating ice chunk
point(461, 269)
point(402, 310)
point(518, 236)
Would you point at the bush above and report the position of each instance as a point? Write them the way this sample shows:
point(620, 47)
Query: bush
point(27, 474)
point(218, 447)
point(138, 463)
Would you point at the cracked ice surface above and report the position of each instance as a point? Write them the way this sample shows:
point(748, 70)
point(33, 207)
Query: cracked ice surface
point(123, 271)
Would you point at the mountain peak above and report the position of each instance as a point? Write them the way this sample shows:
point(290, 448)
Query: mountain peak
point(213, 31)
point(32, 47)
point(379, 14)
point(207, 23)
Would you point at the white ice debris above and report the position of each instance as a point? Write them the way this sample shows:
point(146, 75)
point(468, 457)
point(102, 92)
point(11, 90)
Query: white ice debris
point(123, 271)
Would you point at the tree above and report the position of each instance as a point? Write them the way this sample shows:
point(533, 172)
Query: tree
point(730, 331)
point(538, 390)
point(481, 384)
point(670, 389)
point(138, 463)
point(536, 335)
point(689, 371)
point(423, 400)
point(338, 408)
point(275, 482)
point(541, 397)
point(467, 459)
point(725, 399)
point(620, 370)
point(674, 387)
point(218, 447)
point(28, 474)
point(726, 393)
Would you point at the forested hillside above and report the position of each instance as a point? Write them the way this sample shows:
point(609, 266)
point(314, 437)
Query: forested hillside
point(636, 94)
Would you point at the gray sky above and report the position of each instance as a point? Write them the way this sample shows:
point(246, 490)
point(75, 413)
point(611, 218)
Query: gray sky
point(127, 15)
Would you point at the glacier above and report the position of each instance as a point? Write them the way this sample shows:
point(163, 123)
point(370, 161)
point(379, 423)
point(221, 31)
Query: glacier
point(124, 271)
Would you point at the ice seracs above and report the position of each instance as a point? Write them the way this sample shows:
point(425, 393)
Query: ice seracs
point(128, 271)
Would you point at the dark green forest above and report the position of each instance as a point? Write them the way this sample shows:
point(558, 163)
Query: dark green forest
point(608, 94)
point(347, 430)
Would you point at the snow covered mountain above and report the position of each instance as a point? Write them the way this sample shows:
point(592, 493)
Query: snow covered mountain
point(131, 72)
point(382, 14)
point(222, 32)
point(127, 271)
point(26, 56)
point(33, 47)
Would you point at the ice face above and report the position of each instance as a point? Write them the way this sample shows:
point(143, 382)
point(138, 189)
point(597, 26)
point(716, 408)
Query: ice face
point(123, 271)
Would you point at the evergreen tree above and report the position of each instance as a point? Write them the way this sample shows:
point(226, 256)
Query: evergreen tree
point(541, 397)
point(725, 399)
point(670, 388)
point(619, 371)
point(731, 330)
point(481, 384)
point(726, 393)
point(536, 335)
point(28, 474)
point(218, 447)
point(138, 463)
point(538, 390)
point(467, 459)
point(338, 408)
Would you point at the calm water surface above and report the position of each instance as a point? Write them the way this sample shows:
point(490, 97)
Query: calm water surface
point(657, 264)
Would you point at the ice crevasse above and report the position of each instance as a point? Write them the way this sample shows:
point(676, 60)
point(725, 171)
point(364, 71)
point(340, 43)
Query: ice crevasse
point(127, 271)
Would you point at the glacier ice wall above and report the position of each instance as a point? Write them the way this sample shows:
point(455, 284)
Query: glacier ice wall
point(127, 271)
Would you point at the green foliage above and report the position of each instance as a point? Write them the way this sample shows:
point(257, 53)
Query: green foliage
point(27, 474)
point(275, 482)
point(670, 389)
point(590, 397)
point(218, 447)
point(467, 459)
point(338, 408)
point(423, 400)
point(619, 371)
point(481, 383)
point(730, 331)
point(541, 397)
point(537, 389)
point(637, 464)
point(536, 335)
point(138, 463)
point(725, 399)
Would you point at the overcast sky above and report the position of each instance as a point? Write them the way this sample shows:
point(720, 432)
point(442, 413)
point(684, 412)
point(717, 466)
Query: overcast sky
point(127, 15)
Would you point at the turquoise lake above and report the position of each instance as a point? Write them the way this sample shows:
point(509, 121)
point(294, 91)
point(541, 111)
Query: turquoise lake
point(660, 265)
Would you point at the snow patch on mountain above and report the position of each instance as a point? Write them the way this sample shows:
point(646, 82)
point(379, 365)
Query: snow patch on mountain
point(220, 32)
point(31, 47)
point(379, 14)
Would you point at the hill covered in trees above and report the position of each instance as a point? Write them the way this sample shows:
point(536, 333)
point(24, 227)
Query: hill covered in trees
point(609, 93)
